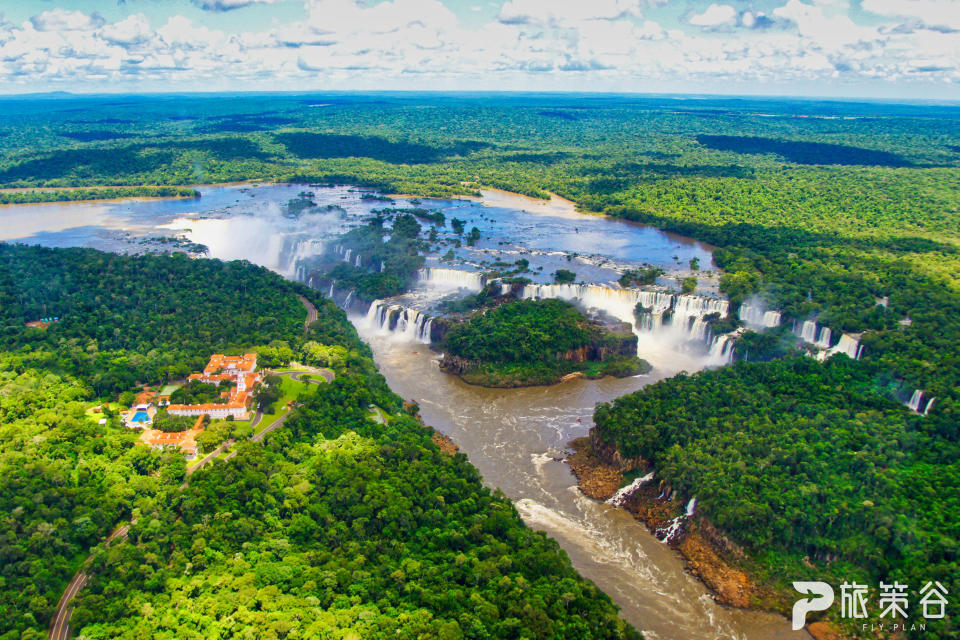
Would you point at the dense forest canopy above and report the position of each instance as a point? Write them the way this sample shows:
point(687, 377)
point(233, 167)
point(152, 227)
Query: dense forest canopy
point(337, 524)
point(847, 213)
point(801, 462)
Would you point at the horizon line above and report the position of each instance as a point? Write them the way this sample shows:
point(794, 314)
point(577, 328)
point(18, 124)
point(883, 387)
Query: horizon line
point(62, 94)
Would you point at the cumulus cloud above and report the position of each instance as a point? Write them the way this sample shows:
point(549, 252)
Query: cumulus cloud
point(553, 13)
point(936, 13)
point(66, 20)
point(827, 29)
point(623, 43)
point(716, 15)
point(132, 30)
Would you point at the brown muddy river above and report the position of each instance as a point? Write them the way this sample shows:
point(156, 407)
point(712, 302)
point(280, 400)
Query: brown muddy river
point(513, 436)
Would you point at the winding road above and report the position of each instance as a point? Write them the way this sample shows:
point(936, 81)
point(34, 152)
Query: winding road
point(311, 312)
point(60, 627)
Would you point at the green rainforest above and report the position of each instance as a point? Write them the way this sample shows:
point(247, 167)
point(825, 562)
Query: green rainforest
point(343, 526)
point(337, 524)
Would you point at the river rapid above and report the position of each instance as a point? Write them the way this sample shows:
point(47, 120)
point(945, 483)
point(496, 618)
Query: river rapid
point(515, 437)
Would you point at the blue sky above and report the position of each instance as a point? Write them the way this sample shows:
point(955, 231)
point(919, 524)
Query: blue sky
point(855, 48)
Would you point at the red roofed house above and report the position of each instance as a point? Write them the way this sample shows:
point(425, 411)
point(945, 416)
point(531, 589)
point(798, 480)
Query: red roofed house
point(241, 370)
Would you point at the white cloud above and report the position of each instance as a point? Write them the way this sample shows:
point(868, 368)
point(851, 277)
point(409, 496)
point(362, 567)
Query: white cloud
point(945, 13)
point(134, 29)
point(716, 15)
point(826, 30)
point(581, 44)
point(66, 20)
point(563, 13)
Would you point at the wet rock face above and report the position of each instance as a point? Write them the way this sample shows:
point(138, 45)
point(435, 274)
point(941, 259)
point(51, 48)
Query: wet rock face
point(457, 365)
point(439, 329)
point(595, 478)
point(609, 454)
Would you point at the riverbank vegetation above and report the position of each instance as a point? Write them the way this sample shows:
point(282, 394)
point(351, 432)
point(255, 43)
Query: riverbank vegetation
point(102, 193)
point(336, 525)
point(806, 467)
point(536, 342)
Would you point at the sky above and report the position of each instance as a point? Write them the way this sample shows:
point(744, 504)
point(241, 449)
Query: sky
point(832, 48)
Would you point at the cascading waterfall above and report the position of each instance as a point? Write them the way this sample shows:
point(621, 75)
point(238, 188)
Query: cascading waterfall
point(687, 312)
point(808, 332)
point(755, 316)
point(346, 301)
point(721, 349)
point(847, 345)
point(621, 303)
point(383, 265)
point(915, 400)
point(669, 532)
point(330, 293)
point(452, 278)
point(823, 341)
point(929, 404)
point(357, 262)
point(400, 321)
point(623, 493)
point(346, 255)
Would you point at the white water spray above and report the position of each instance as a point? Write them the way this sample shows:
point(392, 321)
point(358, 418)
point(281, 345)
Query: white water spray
point(623, 493)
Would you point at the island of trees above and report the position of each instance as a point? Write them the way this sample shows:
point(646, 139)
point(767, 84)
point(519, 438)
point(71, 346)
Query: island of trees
point(535, 342)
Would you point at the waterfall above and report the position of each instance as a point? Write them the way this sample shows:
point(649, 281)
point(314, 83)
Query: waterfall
point(824, 340)
point(698, 328)
point(721, 349)
point(847, 345)
point(668, 320)
point(383, 266)
point(621, 303)
point(346, 256)
point(809, 331)
point(402, 322)
point(452, 278)
point(915, 399)
point(330, 294)
point(357, 262)
point(669, 533)
point(754, 315)
point(505, 288)
point(625, 492)
point(346, 301)
point(929, 404)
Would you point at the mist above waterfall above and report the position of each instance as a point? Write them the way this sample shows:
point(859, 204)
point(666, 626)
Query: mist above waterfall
point(260, 233)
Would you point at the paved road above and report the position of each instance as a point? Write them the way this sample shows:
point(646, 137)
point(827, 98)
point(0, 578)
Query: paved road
point(326, 374)
point(311, 312)
point(60, 627)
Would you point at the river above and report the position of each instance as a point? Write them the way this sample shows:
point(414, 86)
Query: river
point(514, 437)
